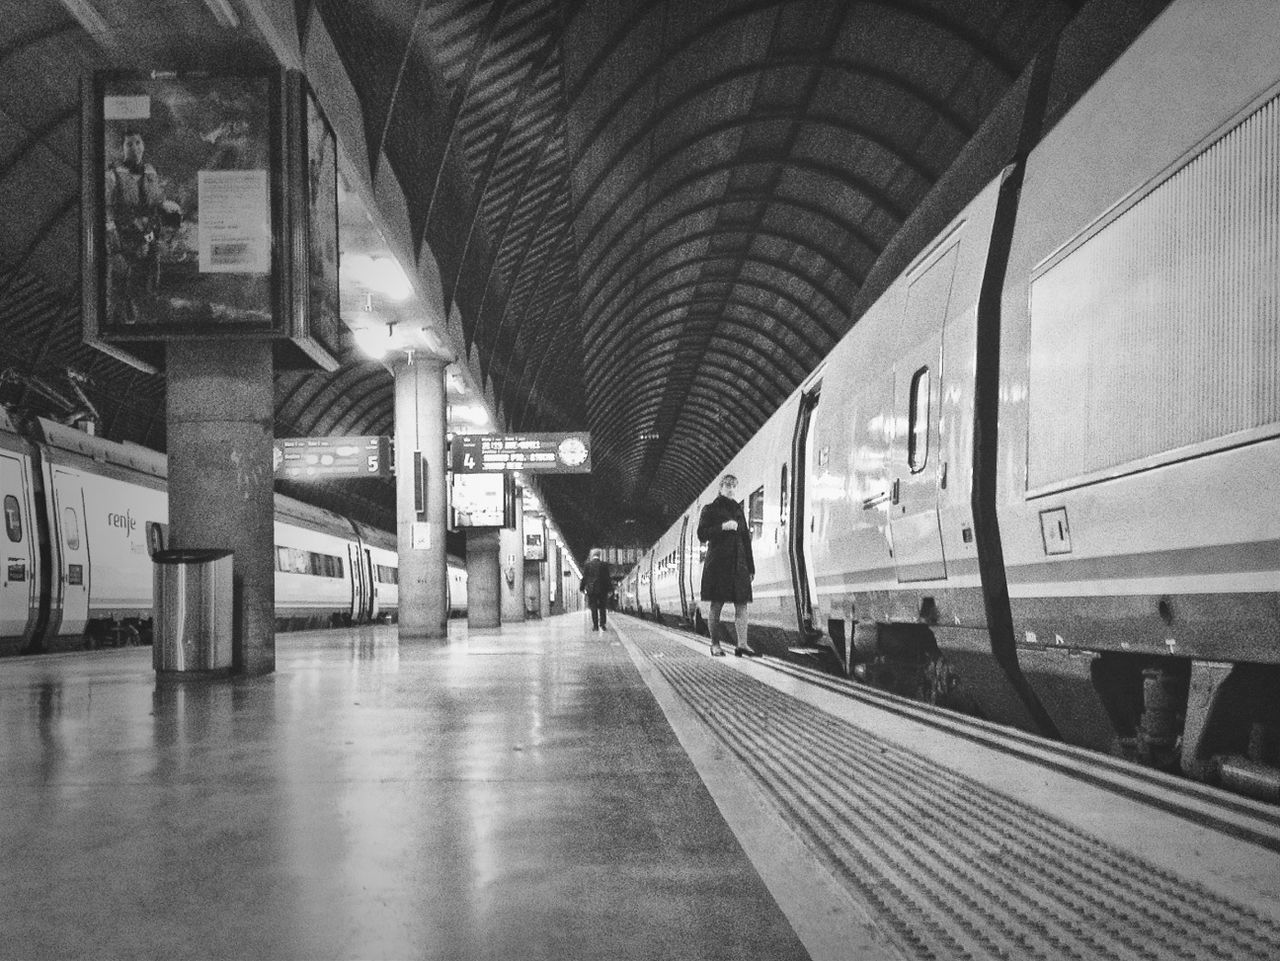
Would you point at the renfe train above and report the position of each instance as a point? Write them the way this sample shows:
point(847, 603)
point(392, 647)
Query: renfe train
point(1039, 480)
point(83, 517)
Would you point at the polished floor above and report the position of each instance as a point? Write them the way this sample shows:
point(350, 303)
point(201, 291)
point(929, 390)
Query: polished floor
point(513, 794)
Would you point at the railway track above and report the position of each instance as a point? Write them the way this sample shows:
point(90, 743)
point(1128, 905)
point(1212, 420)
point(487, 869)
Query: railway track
point(952, 867)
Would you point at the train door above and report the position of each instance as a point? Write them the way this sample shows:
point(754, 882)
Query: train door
point(73, 546)
point(919, 471)
point(372, 581)
point(359, 605)
point(682, 557)
point(802, 516)
point(18, 575)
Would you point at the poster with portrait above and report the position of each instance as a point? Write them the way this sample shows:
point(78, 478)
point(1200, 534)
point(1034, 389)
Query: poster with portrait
point(187, 213)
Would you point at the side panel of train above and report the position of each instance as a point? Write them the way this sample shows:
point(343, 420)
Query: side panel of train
point(1140, 417)
point(22, 578)
point(84, 516)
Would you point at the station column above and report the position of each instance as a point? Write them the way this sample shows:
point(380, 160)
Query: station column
point(483, 579)
point(220, 428)
point(421, 500)
point(511, 562)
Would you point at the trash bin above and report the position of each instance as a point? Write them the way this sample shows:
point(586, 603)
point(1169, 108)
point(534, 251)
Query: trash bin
point(193, 616)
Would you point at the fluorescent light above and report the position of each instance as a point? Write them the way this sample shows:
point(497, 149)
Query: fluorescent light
point(372, 341)
point(224, 13)
point(383, 274)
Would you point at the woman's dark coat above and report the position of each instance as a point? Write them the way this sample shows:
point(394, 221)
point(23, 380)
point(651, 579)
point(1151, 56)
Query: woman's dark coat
point(729, 566)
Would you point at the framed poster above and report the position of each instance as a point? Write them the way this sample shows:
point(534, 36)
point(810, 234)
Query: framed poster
point(480, 500)
point(316, 326)
point(209, 211)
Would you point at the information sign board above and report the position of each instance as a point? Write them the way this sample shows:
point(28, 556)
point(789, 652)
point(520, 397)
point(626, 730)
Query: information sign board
point(326, 458)
point(559, 453)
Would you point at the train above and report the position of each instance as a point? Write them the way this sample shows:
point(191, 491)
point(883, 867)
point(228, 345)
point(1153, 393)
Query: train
point(1036, 481)
point(84, 516)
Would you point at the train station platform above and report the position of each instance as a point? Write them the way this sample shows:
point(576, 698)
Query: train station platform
point(543, 791)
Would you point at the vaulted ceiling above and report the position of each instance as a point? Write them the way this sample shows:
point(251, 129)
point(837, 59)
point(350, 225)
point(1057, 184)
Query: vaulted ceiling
point(646, 219)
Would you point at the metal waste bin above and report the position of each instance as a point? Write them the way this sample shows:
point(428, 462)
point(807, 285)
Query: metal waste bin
point(193, 617)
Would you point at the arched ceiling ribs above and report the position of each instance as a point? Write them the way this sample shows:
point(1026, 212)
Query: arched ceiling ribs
point(654, 253)
point(936, 105)
point(64, 209)
point(297, 385)
point(461, 92)
point(24, 44)
point(654, 166)
point(520, 279)
point(34, 137)
point(355, 416)
point(610, 316)
point(891, 208)
point(642, 238)
point(506, 312)
point(651, 375)
point(350, 419)
point(772, 375)
point(616, 379)
point(632, 328)
point(554, 350)
point(347, 383)
point(499, 243)
point(484, 175)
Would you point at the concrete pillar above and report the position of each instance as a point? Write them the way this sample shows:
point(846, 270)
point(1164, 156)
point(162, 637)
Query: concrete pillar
point(532, 590)
point(544, 585)
point(484, 578)
point(555, 579)
point(511, 561)
point(220, 428)
point(420, 428)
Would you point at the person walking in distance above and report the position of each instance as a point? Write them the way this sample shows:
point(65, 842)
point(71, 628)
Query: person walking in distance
point(729, 565)
point(597, 584)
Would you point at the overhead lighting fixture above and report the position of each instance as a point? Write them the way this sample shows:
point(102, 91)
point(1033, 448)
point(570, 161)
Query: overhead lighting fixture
point(224, 13)
point(383, 274)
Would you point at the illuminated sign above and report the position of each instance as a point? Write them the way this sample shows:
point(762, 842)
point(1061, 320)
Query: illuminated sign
point(481, 500)
point(566, 453)
point(324, 458)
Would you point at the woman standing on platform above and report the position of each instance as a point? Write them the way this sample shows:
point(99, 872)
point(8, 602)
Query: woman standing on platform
point(729, 565)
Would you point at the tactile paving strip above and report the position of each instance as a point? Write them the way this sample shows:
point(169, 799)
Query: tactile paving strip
point(954, 869)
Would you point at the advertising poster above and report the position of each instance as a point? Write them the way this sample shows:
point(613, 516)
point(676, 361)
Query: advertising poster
point(325, 321)
point(187, 223)
point(479, 500)
point(535, 539)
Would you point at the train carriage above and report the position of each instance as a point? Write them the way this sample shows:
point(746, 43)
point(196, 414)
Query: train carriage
point(23, 578)
point(83, 517)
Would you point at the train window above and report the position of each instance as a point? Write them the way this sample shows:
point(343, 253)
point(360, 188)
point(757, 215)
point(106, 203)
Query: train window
point(12, 518)
point(918, 421)
point(155, 537)
point(755, 512)
point(71, 528)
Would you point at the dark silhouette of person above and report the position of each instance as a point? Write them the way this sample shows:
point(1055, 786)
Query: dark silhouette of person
point(597, 584)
